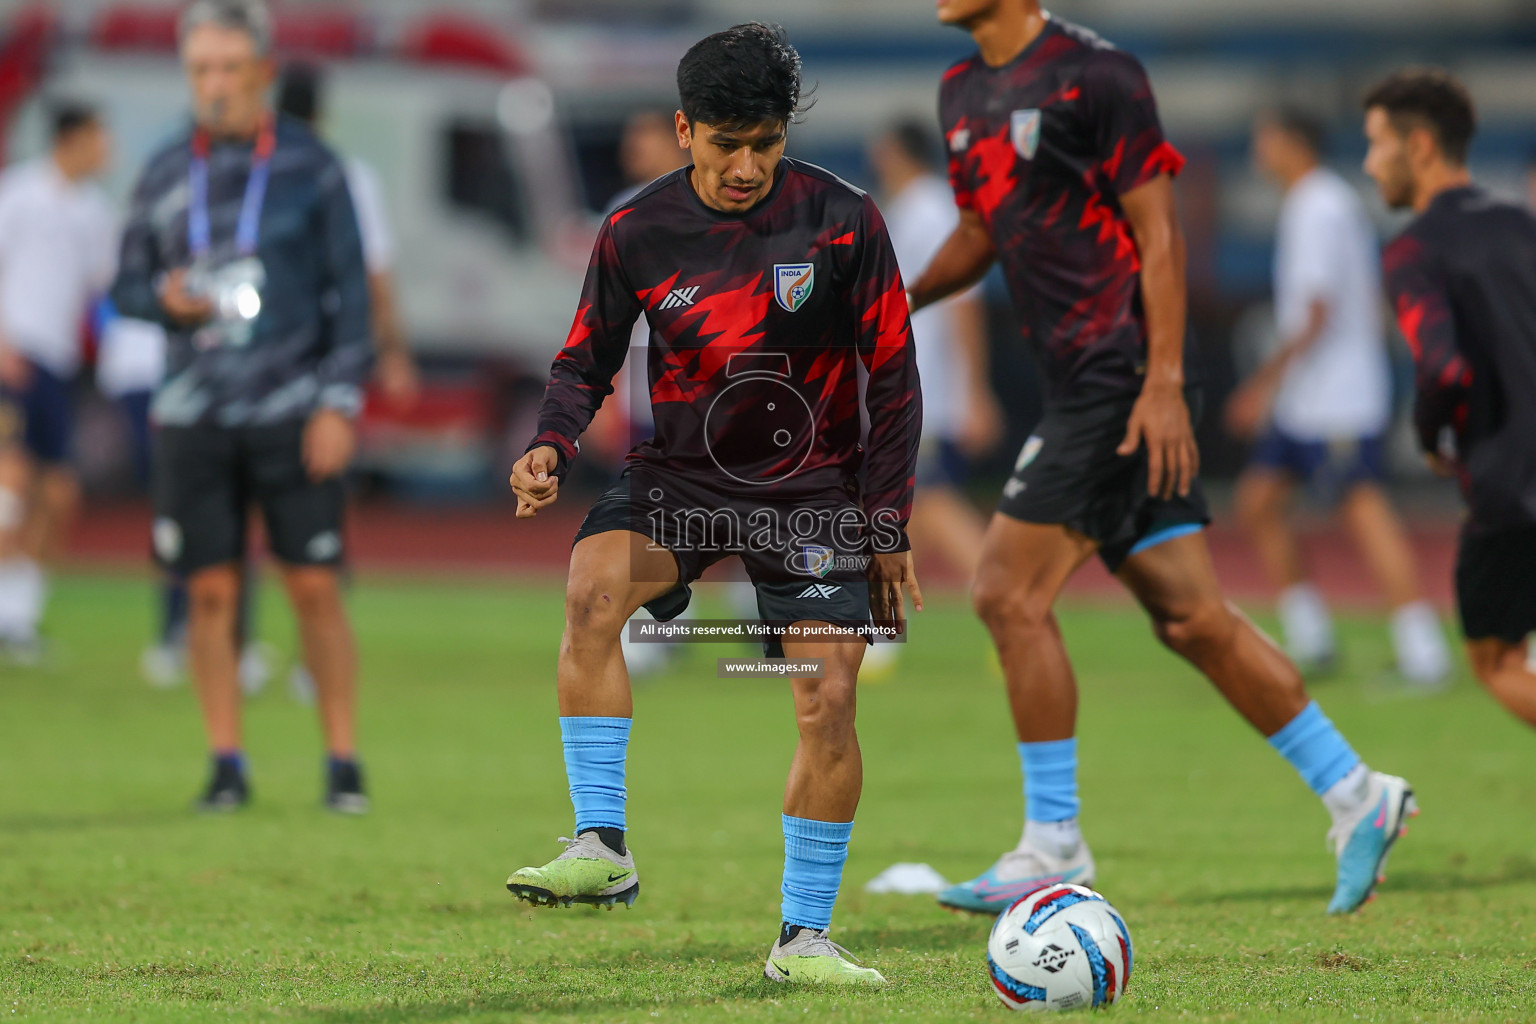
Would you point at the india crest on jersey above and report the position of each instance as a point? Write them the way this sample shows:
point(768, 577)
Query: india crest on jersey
point(792, 283)
point(1024, 129)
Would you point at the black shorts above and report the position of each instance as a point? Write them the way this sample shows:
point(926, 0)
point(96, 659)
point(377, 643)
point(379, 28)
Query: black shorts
point(206, 479)
point(1496, 584)
point(1068, 474)
point(807, 562)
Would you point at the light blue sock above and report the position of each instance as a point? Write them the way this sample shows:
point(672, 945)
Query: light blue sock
point(814, 852)
point(1050, 780)
point(1315, 749)
point(594, 766)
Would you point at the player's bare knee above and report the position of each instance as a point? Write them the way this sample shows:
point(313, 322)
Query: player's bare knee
point(213, 593)
point(1009, 608)
point(1197, 628)
point(594, 607)
point(313, 589)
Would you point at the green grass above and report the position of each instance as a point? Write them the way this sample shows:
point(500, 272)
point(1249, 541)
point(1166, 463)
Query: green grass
point(116, 904)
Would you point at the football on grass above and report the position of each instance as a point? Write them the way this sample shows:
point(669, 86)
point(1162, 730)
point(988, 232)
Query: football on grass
point(1059, 948)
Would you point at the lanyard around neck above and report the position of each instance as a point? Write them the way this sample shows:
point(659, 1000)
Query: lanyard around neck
point(248, 231)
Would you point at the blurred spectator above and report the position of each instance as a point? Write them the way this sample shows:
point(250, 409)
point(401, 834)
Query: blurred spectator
point(1321, 404)
point(242, 241)
point(961, 419)
point(57, 239)
point(648, 149)
point(299, 95)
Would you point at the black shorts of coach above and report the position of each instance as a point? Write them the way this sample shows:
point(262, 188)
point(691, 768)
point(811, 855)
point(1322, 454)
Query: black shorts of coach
point(804, 569)
point(1496, 583)
point(206, 479)
point(1069, 474)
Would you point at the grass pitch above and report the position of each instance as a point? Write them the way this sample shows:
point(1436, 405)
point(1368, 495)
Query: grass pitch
point(117, 904)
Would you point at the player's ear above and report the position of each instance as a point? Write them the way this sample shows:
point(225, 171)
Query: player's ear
point(684, 130)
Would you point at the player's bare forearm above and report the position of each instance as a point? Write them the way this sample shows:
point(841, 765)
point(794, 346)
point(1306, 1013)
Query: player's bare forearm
point(389, 336)
point(1160, 418)
point(1160, 245)
point(963, 259)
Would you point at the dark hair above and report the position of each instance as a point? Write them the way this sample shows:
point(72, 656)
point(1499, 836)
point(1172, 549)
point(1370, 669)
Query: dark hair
point(1302, 125)
point(298, 92)
point(916, 140)
point(70, 116)
point(1428, 98)
point(748, 74)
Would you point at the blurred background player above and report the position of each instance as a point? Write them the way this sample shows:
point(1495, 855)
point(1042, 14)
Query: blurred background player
point(1462, 277)
point(300, 95)
point(1069, 135)
point(1321, 404)
point(961, 419)
point(58, 241)
point(260, 280)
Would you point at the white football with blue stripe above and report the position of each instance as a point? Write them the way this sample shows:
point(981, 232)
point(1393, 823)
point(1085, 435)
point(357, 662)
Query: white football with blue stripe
point(1059, 948)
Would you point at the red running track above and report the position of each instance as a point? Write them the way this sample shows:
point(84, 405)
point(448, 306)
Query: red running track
point(487, 540)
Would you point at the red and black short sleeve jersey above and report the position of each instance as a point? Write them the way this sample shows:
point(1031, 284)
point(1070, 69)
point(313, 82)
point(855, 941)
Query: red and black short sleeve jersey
point(1462, 279)
point(1042, 148)
point(759, 322)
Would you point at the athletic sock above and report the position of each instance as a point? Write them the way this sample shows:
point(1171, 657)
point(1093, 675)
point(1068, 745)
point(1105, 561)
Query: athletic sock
point(173, 612)
point(1348, 793)
point(1419, 643)
point(1060, 839)
point(1307, 625)
point(788, 931)
point(1317, 750)
point(13, 600)
point(1050, 780)
point(814, 852)
point(613, 838)
point(229, 760)
point(595, 749)
point(33, 594)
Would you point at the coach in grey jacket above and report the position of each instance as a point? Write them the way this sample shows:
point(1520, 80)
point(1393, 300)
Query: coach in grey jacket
point(243, 243)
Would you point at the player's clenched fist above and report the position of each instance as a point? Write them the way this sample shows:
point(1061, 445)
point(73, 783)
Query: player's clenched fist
point(534, 482)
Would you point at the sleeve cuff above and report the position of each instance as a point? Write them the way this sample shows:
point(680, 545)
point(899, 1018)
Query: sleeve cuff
point(565, 450)
point(346, 399)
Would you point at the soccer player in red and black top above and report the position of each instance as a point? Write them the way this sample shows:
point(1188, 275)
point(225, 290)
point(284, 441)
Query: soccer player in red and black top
point(766, 283)
point(1462, 279)
point(1062, 173)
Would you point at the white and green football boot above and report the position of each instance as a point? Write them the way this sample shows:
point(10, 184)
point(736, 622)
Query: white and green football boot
point(587, 872)
point(810, 958)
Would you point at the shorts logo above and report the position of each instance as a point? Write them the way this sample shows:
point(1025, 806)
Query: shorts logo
point(792, 284)
point(1024, 130)
point(1013, 488)
point(818, 560)
point(323, 547)
point(821, 591)
point(1028, 452)
point(959, 140)
point(166, 534)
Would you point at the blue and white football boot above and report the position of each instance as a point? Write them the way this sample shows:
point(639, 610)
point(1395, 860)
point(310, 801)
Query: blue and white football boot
point(1016, 874)
point(1362, 840)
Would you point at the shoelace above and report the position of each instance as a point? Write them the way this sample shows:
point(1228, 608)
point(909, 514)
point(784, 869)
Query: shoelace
point(821, 944)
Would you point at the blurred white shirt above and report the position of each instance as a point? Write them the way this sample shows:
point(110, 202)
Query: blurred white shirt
point(58, 252)
point(372, 222)
point(1326, 250)
point(919, 219)
point(131, 357)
